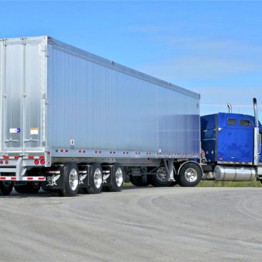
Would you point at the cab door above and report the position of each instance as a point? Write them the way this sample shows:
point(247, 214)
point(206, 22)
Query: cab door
point(260, 145)
point(235, 139)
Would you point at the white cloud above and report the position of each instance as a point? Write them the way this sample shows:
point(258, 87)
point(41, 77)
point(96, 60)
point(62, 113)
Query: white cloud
point(199, 68)
point(221, 70)
point(196, 58)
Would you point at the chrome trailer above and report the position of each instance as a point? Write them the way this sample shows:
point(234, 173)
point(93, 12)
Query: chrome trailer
point(71, 121)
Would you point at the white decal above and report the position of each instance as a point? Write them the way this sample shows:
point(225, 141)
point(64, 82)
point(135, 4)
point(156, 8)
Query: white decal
point(14, 130)
point(52, 180)
point(81, 178)
point(105, 177)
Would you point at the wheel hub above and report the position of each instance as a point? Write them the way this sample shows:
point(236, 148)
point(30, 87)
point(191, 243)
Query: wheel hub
point(191, 175)
point(98, 178)
point(161, 174)
point(119, 177)
point(73, 179)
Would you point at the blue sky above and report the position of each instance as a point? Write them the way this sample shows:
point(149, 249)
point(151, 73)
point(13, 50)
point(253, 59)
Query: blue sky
point(211, 47)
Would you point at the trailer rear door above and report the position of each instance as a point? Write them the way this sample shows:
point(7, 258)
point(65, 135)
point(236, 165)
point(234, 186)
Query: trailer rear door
point(22, 94)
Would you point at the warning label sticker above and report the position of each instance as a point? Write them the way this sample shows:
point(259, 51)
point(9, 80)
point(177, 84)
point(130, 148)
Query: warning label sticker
point(14, 130)
point(34, 131)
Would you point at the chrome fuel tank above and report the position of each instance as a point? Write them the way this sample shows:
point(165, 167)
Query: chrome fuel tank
point(224, 173)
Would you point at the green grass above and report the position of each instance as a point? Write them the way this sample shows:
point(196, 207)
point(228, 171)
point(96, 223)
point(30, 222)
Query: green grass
point(213, 183)
point(229, 184)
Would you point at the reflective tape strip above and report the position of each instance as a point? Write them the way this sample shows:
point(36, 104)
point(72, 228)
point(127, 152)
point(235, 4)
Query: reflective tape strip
point(30, 178)
point(53, 172)
point(83, 172)
point(9, 157)
point(31, 157)
point(34, 178)
point(7, 178)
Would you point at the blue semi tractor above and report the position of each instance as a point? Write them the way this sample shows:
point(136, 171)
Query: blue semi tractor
point(231, 146)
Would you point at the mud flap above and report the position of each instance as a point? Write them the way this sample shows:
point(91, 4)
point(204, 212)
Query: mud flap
point(54, 179)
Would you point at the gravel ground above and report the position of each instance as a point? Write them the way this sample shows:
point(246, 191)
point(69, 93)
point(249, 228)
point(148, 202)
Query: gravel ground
point(137, 224)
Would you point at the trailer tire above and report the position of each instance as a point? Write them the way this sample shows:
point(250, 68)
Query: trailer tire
point(173, 183)
point(116, 180)
point(190, 174)
point(160, 179)
point(95, 179)
point(6, 188)
point(29, 187)
point(21, 189)
point(70, 180)
point(137, 181)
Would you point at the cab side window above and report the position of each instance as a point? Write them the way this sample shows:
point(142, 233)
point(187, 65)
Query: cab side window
point(245, 122)
point(231, 122)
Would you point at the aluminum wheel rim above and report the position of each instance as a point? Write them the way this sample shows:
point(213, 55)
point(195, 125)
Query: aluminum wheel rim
point(119, 177)
point(98, 178)
point(161, 174)
point(73, 179)
point(191, 175)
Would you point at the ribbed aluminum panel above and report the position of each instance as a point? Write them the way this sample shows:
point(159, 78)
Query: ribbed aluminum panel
point(99, 104)
point(63, 97)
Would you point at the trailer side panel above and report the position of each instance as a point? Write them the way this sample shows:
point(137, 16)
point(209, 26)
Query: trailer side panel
point(97, 104)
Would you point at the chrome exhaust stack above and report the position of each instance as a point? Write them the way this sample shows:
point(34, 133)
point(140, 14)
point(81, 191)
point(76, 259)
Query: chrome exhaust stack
point(256, 134)
point(255, 112)
point(229, 108)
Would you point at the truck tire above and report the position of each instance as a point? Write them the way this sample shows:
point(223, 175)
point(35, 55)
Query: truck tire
point(190, 174)
point(95, 179)
point(70, 180)
point(116, 180)
point(161, 179)
point(6, 188)
point(137, 181)
point(29, 187)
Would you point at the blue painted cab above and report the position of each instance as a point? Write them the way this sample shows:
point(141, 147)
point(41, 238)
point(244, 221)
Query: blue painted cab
point(229, 138)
